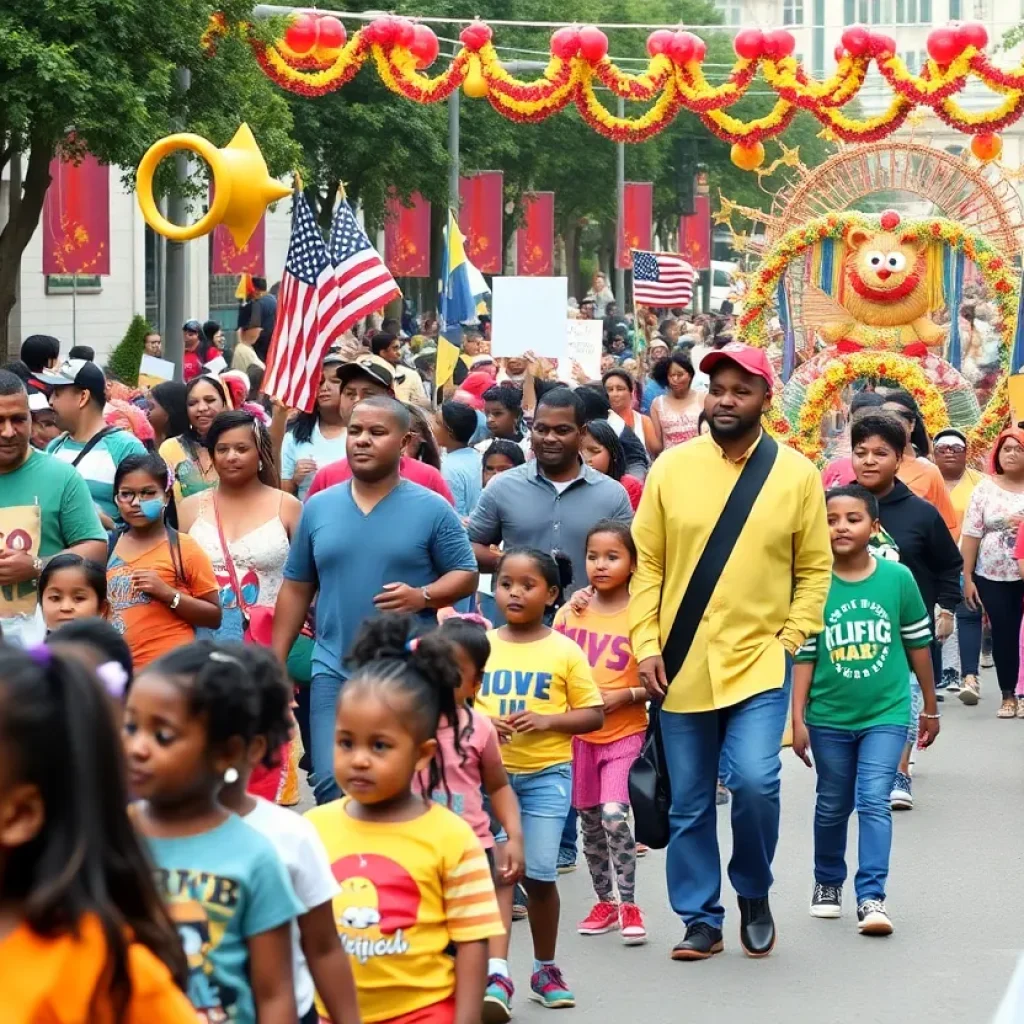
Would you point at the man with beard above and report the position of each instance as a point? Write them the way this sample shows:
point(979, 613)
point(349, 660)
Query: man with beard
point(728, 697)
point(551, 502)
point(376, 543)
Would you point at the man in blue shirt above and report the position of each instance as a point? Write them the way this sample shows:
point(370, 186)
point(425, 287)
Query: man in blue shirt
point(461, 465)
point(375, 543)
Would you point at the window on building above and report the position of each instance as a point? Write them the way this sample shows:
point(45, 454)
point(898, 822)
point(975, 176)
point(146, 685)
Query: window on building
point(889, 12)
point(982, 9)
point(731, 11)
point(818, 39)
point(955, 10)
point(792, 12)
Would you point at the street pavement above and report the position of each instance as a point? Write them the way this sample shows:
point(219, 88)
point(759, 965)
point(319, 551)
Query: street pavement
point(956, 896)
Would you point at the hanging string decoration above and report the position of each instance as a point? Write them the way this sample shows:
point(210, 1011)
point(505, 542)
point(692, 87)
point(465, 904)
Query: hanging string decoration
point(316, 57)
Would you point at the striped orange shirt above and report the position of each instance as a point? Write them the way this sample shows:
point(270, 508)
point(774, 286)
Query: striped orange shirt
point(407, 891)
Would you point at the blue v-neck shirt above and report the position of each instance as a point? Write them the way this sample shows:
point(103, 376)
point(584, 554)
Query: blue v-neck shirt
point(412, 536)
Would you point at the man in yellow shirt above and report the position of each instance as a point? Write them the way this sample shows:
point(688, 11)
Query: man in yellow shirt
point(730, 695)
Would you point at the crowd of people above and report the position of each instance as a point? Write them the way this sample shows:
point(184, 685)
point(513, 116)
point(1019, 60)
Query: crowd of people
point(463, 617)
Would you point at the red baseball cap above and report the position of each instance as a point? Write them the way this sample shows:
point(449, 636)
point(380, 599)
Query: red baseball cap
point(753, 360)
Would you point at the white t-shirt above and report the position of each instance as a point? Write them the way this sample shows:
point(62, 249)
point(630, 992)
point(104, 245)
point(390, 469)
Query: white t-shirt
point(303, 855)
point(322, 450)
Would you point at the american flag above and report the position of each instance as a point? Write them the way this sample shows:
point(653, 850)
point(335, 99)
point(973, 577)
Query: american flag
point(661, 279)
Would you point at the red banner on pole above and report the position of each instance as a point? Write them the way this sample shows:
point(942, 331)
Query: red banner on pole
point(228, 258)
point(407, 237)
point(535, 240)
point(637, 218)
point(76, 218)
point(695, 235)
point(480, 218)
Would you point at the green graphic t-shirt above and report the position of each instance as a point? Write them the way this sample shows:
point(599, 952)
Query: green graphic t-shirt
point(861, 666)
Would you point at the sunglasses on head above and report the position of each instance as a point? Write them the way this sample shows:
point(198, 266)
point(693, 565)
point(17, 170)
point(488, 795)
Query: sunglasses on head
point(951, 446)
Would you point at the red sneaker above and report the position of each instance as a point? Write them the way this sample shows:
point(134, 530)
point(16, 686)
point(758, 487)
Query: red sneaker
point(631, 925)
point(603, 918)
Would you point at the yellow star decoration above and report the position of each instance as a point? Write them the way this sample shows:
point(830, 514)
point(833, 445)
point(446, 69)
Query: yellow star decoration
point(917, 119)
point(724, 215)
point(739, 240)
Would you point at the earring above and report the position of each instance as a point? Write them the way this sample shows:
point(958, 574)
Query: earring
point(260, 467)
point(230, 776)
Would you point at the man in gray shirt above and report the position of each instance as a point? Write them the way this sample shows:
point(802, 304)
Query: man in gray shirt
point(552, 502)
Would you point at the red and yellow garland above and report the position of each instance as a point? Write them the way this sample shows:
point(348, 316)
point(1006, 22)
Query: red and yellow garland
point(758, 305)
point(673, 80)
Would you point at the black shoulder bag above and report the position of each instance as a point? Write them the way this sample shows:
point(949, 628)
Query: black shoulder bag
point(650, 793)
point(90, 444)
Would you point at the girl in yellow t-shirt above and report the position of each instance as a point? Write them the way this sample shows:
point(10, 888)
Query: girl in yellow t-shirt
point(413, 877)
point(539, 691)
point(601, 760)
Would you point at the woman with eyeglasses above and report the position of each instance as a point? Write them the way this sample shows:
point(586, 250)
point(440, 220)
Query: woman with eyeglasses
point(992, 577)
point(916, 471)
point(961, 651)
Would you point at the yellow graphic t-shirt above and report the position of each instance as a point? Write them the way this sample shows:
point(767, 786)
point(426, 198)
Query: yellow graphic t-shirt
point(407, 890)
point(549, 676)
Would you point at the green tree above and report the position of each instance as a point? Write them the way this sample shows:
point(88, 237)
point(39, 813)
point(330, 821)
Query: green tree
point(81, 77)
point(125, 359)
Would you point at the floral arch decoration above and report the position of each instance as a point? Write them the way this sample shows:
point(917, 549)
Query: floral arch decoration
point(804, 435)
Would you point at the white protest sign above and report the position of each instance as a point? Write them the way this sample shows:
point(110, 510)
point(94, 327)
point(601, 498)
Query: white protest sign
point(528, 315)
point(215, 365)
point(153, 371)
point(583, 346)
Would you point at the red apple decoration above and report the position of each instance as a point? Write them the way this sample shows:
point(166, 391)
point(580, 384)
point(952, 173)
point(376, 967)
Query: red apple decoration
point(300, 35)
point(682, 48)
point(380, 31)
point(890, 220)
point(986, 147)
point(943, 45)
point(593, 44)
point(749, 43)
point(565, 42)
point(972, 33)
point(425, 46)
point(700, 48)
point(476, 36)
point(331, 33)
point(856, 39)
point(882, 45)
point(779, 43)
point(660, 41)
point(405, 32)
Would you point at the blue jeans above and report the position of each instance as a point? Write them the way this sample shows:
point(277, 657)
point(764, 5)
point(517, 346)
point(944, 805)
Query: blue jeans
point(323, 702)
point(968, 628)
point(570, 833)
point(748, 738)
point(544, 800)
point(856, 768)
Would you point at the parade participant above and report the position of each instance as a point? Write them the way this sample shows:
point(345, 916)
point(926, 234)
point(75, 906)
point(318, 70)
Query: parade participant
point(674, 413)
point(536, 722)
point(94, 943)
point(961, 651)
point(197, 350)
point(839, 472)
point(596, 406)
point(317, 956)
point(916, 471)
point(422, 445)
point(94, 449)
point(39, 352)
point(186, 454)
point(912, 533)
point(44, 421)
point(621, 389)
point(851, 706)
point(602, 450)
point(72, 587)
point(386, 724)
point(601, 760)
point(375, 543)
point(728, 695)
point(454, 425)
point(167, 408)
point(257, 319)
point(45, 508)
point(503, 410)
point(96, 643)
point(366, 380)
point(551, 502)
point(499, 457)
point(408, 385)
point(160, 583)
point(992, 578)
point(153, 345)
point(189, 720)
point(316, 438)
point(657, 351)
point(600, 294)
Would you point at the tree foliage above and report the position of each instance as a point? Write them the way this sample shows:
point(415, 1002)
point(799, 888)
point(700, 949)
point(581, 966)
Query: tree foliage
point(125, 360)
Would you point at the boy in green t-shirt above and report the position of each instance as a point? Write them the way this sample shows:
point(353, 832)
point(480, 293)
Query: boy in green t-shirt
point(851, 706)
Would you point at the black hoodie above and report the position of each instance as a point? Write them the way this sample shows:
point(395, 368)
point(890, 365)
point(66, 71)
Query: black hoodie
point(925, 544)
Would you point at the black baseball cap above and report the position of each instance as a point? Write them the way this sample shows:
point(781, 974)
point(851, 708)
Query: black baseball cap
point(370, 371)
point(78, 373)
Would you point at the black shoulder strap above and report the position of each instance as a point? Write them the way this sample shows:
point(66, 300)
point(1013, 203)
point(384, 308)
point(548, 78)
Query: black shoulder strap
point(174, 541)
point(708, 569)
point(91, 443)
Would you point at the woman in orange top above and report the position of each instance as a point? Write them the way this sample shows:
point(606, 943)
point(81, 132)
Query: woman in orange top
point(921, 476)
point(601, 759)
point(621, 390)
point(160, 584)
point(83, 933)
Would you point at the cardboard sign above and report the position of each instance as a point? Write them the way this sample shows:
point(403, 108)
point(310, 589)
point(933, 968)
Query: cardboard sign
point(21, 529)
point(583, 345)
point(529, 316)
point(215, 366)
point(153, 371)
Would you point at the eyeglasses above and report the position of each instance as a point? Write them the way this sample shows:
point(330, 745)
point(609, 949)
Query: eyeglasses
point(950, 446)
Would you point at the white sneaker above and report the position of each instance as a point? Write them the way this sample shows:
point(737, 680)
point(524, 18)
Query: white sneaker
point(902, 796)
point(873, 919)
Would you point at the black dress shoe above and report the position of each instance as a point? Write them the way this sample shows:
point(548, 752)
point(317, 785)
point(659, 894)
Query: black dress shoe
point(757, 927)
point(701, 942)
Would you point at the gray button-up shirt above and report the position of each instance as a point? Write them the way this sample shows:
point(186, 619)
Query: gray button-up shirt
point(522, 508)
